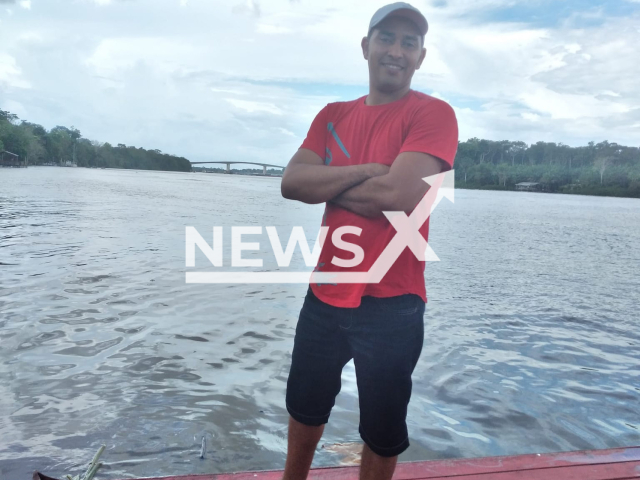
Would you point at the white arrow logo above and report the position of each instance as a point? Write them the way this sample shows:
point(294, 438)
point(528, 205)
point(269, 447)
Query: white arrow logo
point(407, 235)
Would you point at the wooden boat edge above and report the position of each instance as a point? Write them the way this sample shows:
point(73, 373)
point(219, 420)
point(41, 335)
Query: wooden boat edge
point(425, 469)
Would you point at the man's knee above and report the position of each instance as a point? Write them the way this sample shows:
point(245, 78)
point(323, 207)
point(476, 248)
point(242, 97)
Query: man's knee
point(301, 433)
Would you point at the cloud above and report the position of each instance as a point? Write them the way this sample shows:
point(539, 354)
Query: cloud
point(116, 55)
point(252, 107)
point(272, 29)
point(10, 73)
point(547, 81)
point(249, 7)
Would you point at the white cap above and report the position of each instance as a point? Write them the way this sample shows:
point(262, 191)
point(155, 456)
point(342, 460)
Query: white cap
point(400, 9)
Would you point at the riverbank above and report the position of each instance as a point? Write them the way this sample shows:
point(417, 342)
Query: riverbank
point(586, 191)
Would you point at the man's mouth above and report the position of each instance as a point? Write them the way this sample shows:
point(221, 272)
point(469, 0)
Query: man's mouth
point(392, 67)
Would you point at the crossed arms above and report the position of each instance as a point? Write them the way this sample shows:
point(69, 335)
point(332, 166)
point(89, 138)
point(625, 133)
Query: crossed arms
point(367, 189)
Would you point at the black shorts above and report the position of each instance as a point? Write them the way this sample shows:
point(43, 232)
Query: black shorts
point(384, 337)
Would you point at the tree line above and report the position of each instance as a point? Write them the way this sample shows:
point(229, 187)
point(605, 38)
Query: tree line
point(60, 145)
point(596, 169)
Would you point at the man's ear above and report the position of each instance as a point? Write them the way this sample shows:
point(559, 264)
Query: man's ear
point(365, 47)
point(421, 59)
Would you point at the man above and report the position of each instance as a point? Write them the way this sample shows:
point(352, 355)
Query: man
point(364, 157)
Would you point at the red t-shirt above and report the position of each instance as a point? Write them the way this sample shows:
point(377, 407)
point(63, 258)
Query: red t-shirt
point(352, 133)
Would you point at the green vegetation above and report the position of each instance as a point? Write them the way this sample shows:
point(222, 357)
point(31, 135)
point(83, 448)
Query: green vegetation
point(61, 144)
point(596, 169)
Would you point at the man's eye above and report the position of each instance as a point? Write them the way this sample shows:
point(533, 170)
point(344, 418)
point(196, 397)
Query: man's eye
point(410, 44)
point(386, 39)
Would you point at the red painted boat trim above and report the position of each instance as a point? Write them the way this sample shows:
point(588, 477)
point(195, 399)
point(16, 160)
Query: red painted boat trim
point(614, 464)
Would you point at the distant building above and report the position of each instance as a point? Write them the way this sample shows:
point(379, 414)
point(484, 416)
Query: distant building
point(8, 159)
point(528, 186)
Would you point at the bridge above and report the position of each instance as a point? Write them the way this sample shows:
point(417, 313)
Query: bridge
point(228, 164)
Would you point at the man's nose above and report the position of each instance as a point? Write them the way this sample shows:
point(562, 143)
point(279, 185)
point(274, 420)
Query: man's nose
point(395, 50)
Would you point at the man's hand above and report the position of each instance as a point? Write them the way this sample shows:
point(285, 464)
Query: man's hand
point(309, 180)
point(399, 190)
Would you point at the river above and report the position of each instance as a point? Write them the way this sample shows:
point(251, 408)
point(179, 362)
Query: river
point(531, 330)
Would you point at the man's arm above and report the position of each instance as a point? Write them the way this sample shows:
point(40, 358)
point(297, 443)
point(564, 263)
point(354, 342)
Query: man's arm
point(309, 180)
point(399, 190)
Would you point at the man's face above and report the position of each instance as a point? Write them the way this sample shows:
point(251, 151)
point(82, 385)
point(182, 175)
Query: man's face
point(394, 53)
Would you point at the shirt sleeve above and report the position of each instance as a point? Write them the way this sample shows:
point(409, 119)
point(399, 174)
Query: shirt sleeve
point(433, 130)
point(316, 140)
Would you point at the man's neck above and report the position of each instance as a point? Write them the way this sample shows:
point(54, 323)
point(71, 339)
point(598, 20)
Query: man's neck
point(380, 98)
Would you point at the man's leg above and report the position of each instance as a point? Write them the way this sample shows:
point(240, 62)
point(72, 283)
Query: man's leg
point(386, 339)
point(375, 467)
point(301, 446)
point(320, 351)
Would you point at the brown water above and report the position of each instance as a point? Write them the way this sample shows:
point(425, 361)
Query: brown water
point(531, 338)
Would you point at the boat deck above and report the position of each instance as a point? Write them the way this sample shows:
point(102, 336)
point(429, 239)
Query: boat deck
point(614, 464)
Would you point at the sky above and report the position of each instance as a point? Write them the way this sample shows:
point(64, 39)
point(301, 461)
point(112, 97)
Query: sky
point(243, 79)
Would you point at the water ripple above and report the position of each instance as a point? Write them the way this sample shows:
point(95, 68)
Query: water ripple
point(531, 330)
